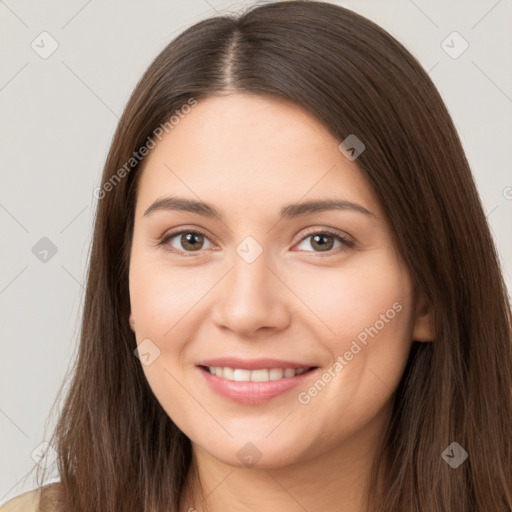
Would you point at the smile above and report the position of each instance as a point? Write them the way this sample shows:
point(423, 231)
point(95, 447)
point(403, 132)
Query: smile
point(253, 386)
point(261, 375)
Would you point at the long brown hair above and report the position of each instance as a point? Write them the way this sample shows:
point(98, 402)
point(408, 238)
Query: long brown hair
point(118, 449)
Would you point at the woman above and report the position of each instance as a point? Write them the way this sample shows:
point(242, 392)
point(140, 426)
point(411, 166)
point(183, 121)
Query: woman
point(294, 300)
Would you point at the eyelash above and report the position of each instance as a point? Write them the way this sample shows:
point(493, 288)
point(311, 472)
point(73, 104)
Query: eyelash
point(347, 244)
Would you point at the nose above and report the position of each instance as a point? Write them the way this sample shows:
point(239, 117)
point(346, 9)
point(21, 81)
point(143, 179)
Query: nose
point(251, 298)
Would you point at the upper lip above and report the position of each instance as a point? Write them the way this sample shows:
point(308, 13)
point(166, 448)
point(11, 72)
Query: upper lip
point(253, 364)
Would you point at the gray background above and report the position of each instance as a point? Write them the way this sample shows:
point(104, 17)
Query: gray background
point(58, 117)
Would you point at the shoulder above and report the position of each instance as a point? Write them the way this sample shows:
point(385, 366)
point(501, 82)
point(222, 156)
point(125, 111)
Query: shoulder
point(36, 500)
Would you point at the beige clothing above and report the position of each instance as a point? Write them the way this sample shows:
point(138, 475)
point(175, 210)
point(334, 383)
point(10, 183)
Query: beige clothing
point(29, 502)
point(26, 502)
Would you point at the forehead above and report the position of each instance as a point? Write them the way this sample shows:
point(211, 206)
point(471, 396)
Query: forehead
point(250, 151)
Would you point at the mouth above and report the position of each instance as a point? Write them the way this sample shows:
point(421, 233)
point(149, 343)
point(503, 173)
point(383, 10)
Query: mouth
point(257, 385)
point(257, 375)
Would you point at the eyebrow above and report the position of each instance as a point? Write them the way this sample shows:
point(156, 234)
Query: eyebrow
point(175, 203)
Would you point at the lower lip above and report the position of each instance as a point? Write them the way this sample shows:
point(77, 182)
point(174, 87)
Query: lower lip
point(253, 392)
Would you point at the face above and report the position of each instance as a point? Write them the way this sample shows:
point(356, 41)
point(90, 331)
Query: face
point(266, 284)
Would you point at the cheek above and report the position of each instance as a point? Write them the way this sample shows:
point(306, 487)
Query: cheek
point(162, 301)
point(353, 296)
point(160, 297)
point(363, 318)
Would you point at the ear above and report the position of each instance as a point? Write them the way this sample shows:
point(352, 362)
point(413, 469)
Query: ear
point(423, 330)
point(132, 322)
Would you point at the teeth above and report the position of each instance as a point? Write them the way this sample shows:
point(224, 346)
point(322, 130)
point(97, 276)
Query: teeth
point(275, 374)
point(263, 375)
point(257, 375)
point(238, 375)
point(227, 373)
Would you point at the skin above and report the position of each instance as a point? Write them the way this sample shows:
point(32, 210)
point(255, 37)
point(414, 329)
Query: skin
point(248, 156)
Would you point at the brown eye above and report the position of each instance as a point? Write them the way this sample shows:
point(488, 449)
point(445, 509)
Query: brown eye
point(191, 241)
point(185, 241)
point(324, 242)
